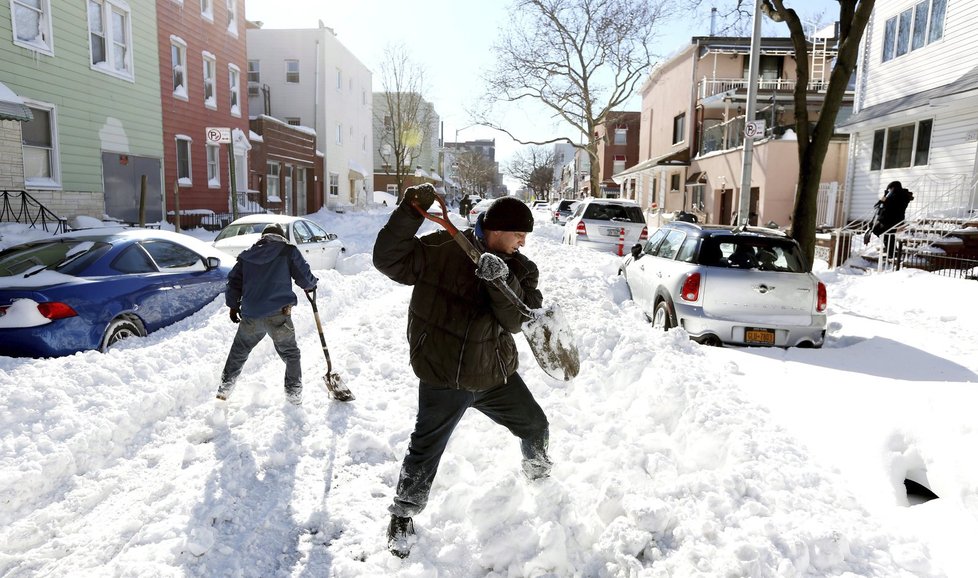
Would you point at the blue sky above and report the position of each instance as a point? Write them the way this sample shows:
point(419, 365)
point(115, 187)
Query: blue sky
point(452, 40)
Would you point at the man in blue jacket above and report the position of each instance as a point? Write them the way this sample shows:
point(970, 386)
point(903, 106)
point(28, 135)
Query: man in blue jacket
point(261, 298)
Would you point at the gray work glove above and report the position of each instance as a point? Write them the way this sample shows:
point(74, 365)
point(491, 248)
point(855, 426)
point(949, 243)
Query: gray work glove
point(491, 267)
point(423, 195)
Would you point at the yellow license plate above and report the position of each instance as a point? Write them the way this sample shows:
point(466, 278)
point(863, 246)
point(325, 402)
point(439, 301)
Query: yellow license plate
point(757, 336)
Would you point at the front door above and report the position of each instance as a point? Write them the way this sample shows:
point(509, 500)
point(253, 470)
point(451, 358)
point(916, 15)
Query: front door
point(122, 182)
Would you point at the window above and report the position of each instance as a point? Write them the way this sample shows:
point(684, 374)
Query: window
point(170, 256)
point(184, 176)
point(619, 164)
point(271, 182)
point(363, 144)
point(902, 146)
point(110, 37)
point(621, 135)
point(339, 134)
point(31, 23)
point(334, 184)
point(914, 28)
point(210, 75)
point(292, 71)
point(392, 189)
point(287, 188)
point(339, 79)
point(234, 82)
point(254, 77)
point(178, 60)
point(232, 17)
point(674, 182)
point(207, 10)
point(40, 148)
point(293, 121)
point(213, 166)
point(679, 129)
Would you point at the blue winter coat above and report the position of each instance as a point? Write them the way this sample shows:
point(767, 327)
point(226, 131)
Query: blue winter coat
point(260, 283)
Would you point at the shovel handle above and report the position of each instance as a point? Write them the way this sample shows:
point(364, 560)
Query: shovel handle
point(473, 253)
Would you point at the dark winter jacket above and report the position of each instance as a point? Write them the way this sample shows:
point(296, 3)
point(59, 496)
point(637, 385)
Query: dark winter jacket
point(260, 283)
point(894, 209)
point(459, 327)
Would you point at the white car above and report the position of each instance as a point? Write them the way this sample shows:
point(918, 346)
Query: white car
point(320, 249)
point(541, 206)
point(606, 224)
point(477, 210)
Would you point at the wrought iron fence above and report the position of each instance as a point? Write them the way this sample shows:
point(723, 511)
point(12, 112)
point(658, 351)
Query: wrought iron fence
point(21, 207)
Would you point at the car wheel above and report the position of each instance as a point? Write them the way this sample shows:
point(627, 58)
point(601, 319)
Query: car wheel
point(664, 318)
point(121, 328)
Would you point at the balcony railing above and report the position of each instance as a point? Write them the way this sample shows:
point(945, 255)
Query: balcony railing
point(709, 87)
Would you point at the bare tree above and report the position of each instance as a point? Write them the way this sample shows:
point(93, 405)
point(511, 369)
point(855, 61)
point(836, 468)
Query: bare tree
point(580, 59)
point(475, 172)
point(813, 139)
point(407, 119)
point(534, 169)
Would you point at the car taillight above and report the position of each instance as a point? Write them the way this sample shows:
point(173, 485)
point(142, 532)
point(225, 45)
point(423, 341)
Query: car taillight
point(55, 310)
point(645, 234)
point(691, 287)
point(823, 298)
point(581, 229)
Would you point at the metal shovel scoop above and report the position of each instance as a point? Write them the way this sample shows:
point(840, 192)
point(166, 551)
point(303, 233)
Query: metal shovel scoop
point(334, 383)
point(546, 330)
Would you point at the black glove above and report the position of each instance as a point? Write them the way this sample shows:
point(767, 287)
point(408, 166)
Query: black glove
point(491, 267)
point(423, 195)
point(235, 315)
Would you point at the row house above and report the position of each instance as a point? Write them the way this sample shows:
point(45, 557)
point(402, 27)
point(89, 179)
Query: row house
point(203, 56)
point(80, 89)
point(915, 117)
point(422, 160)
point(307, 78)
point(692, 130)
point(617, 150)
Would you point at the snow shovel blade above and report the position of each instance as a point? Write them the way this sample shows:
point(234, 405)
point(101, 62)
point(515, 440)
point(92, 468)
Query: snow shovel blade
point(552, 343)
point(337, 389)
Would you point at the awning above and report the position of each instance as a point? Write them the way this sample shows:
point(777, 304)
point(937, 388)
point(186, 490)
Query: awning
point(695, 178)
point(356, 171)
point(12, 107)
point(679, 158)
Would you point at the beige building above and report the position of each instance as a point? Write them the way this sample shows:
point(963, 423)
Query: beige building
point(692, 133)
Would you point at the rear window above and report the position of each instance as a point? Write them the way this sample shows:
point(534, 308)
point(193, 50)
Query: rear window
point(245, 229)
point(66, 256)
point(565, 205)
point(751, 253)
point(610, 212)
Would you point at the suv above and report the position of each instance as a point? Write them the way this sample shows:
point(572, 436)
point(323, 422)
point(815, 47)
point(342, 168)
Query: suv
point(561, 210)
point(606, 224)
point(726, 285)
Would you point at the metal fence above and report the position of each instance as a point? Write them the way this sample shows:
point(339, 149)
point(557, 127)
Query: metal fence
point(21, 207)
point(944, 265)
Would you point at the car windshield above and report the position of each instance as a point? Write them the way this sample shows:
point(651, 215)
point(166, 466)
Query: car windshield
point(65, 256)
point(614, 212)
point(235, 229)
point(751, 253)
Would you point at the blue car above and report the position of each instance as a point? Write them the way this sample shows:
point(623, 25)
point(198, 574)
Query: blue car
point(89, 289)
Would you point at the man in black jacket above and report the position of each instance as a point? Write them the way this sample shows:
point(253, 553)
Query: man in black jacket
point(460, 336)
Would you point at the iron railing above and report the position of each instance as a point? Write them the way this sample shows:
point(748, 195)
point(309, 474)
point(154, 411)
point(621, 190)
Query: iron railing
point(20, 207)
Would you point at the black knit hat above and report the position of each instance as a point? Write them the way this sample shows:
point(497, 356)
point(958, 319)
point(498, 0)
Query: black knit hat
point(508, 214)
point(273, 229)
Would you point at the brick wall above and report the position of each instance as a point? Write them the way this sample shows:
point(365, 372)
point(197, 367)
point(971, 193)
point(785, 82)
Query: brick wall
point(70, 204)
point(11, 156)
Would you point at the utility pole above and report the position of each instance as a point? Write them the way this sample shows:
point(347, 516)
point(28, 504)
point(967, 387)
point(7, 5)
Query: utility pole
point(743, 207)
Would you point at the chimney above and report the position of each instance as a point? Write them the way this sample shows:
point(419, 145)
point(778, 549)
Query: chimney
point(713, 21)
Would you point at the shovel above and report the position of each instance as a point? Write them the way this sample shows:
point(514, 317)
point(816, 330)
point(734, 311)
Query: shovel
point(334, 383)
point(546, 330)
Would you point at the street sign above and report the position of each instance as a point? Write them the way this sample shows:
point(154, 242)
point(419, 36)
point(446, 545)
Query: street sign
point(218, 135)
point(754, 129)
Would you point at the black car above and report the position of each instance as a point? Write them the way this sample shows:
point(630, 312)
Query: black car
point(561, 210)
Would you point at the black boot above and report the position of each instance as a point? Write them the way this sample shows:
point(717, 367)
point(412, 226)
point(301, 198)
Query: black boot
point(399, 536)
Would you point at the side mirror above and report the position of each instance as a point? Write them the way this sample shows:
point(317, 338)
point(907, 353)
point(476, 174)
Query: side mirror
point(332, 236)
point(636, 251)
point(212, 263)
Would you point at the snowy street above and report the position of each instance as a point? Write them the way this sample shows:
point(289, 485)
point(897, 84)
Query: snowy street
point(671, 458)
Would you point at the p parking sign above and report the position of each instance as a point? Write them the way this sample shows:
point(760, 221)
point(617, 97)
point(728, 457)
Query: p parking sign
point(754, 129)
point(218, 135)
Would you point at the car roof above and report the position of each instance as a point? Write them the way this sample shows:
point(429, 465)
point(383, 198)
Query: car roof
point(705, 230)
point(265, 218)
point(627, 202)
point(118, 233)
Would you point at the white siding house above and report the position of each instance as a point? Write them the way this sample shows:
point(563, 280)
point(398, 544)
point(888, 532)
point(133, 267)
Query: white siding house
point(307, 77)
point(915, 117)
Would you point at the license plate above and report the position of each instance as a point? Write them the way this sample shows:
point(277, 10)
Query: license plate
point(759, 336)
point(612, 232)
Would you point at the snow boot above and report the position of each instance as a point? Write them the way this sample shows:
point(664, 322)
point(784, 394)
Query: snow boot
point(224, 391)
point(399, 536)
point(294, 396)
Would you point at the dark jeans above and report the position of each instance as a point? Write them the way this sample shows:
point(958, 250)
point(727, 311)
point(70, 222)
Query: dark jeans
point(439, 410)
point(250, 332)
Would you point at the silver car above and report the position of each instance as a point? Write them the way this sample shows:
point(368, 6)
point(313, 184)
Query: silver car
point(606, 224)
point(726, 286)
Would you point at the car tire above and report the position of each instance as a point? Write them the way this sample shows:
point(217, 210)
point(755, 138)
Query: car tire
point(664, 318)
point(121, 328)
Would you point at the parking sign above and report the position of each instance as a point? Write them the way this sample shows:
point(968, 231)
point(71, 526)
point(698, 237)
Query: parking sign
point(218, 135)
point(754, 129)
